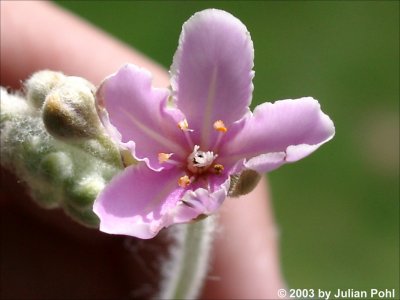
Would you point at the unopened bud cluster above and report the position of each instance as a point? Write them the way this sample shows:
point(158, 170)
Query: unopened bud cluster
point(52, 138)
point(67, 103)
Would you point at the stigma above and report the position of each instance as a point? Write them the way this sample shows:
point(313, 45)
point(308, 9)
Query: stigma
point(199, 161)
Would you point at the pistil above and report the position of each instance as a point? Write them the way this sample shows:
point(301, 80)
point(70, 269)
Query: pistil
point(199, 161)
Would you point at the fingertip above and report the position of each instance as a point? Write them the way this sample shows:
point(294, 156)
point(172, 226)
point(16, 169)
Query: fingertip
point(39, 35)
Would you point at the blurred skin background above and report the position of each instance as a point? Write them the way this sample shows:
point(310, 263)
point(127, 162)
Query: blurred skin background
point(338, 210)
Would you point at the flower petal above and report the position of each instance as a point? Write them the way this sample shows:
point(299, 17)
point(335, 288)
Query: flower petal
point(138, 115)
point(212, 71)
point(202, 201)
point(266, 162)
point(139, 202)
point(280, 132)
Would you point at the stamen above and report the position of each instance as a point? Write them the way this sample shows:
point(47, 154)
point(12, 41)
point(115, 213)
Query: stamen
point(218, 141)
point(188, 139)
point(184, 181)
point(218, 169)
point(220, 126)
point(184, 126)
point(163, 157)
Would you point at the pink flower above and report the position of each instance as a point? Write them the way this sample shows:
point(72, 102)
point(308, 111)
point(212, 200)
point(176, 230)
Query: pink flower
point(189, 142)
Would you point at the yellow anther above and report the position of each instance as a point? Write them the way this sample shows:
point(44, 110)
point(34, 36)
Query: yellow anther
point(218, 168)
point(183, 125)
point(220, 126)
point(184, 181)
point(163, 157)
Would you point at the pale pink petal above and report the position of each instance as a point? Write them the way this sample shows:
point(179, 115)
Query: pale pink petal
point(202, 201)
point(138, 115)
point(139, 202)
point(266, 162)
point(212, 72)
point(280, 132)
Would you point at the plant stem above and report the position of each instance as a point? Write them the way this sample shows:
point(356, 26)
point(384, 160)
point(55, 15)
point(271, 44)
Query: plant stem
point(184, 274)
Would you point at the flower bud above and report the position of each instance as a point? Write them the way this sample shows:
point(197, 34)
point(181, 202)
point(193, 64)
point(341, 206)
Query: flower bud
point(39, 85)
point(82, 192)
point(69, 110)
point(56, 167)
point(243, 183)
point(67, 173)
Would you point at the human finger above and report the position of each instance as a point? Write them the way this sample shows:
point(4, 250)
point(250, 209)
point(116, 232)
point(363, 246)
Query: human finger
point(38, 35)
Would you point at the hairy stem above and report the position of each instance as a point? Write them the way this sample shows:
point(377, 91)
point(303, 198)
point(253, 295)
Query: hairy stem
point(184, 274)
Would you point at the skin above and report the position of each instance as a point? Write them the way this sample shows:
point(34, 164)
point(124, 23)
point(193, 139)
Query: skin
point(245, 262)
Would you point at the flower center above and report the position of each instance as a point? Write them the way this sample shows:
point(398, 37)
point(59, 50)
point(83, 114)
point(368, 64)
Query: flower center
point(199, 161)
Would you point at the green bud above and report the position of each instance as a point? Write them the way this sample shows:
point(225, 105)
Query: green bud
point(39, 85)
point(69, 111)
point(13, 106)
point(68, 167)
point(81, 194)
point(56, 167)
point(243, 183)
